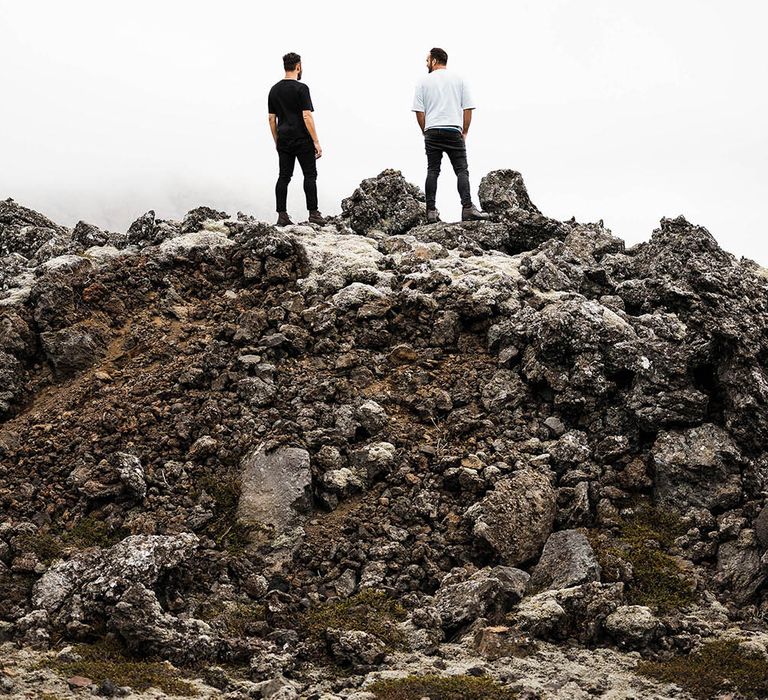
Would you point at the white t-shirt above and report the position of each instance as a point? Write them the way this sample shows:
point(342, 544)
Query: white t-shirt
point(442, 96)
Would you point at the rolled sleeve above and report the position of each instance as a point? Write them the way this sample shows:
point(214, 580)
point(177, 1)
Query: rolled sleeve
point(306, 100)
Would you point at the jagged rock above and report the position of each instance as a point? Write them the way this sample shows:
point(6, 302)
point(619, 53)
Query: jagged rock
point(460, 599)
point(566, 560)
point(697, 467)
point(71, 350)
point(740, 567)
point(579, 612)
point(12, 384)
point(131, 473)
point(194, 219)
point(386, 202)
point(87, 235)
point(516, 517)
point(355, 647)
point(502, 190)
point(275, 487)
point(143, 230)
point(84, 590)
point(633, 626)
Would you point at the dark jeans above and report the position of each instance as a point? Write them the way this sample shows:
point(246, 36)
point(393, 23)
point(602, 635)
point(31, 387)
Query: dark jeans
point(306, 156)
point(450, 141)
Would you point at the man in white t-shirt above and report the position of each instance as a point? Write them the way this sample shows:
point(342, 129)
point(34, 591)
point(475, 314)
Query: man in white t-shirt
point(443, 109)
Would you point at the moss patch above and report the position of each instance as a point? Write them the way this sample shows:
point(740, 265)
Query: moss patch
point(370, 611)
point(107, 660)
point(235, 618)
point(91, 531)
point(440, 688)
point(44, 545)
point(644, 540)
point(716, 668)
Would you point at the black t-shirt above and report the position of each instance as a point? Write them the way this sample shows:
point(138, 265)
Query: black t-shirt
point(288, 99)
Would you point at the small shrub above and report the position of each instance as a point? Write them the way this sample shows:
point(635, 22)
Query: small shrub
point(440, 688)
point(108, 660)
point(236, 618)
point(227, 531)
point(657, 580)
point(91, 531)
point(370, 611)
point(717, 668)
point(44, 545)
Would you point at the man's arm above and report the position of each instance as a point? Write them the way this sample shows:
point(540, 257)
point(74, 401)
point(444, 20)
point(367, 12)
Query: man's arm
point(467, 122)
point(309, 122)
point(421, 119)
point(273, 126)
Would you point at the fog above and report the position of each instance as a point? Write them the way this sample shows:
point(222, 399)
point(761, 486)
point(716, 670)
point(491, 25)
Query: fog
point(614, 110)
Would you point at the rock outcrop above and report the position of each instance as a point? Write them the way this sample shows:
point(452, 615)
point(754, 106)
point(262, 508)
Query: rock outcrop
point(224, 442)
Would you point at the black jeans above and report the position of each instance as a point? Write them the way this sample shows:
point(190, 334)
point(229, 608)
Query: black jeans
point(450, 141)
point(305, 152)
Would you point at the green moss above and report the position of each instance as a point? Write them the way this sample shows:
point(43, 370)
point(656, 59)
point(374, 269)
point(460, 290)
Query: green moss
point(91, 531)
point(440, 688)
point(717, 668)
point(644, 540)
point(370, 611)
point(235, 618)
point(107, 660)
point(44, 545)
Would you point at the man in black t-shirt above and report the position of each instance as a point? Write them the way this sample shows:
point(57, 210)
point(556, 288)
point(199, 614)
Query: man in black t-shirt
point(293, 128)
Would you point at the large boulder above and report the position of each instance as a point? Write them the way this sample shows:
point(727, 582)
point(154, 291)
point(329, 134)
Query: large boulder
point(567, 560)
point(516, 518)
point(275, 488)
point(387, 202)
point(462, 599)
point(82, 591)
point(697, 467)
point(73, 349)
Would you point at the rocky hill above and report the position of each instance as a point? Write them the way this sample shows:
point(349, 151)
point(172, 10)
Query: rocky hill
point(381, 459)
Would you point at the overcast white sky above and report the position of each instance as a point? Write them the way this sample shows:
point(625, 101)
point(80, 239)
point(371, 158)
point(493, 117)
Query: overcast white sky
point(614, 109)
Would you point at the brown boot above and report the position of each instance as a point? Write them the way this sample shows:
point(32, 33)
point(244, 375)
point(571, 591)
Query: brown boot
point(433, 216)
point(283, 219)
point(472, 213)
point(315, 217)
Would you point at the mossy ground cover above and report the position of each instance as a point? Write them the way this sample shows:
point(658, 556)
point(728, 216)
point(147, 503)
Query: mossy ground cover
point(108, 660)
point(717, 668)
point(236, 618)
point(370, 611)
point(440, 688)
point(645, 538)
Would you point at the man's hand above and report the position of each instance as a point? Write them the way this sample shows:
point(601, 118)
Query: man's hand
point(464, 135)
point(318, 150)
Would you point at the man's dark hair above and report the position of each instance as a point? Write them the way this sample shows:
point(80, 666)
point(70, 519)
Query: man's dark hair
point(291, 60)
point(440, 56)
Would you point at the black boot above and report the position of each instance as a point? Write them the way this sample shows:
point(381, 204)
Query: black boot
point(472, 213)
point(283, 219)
point(315, 217)
point(433, 216)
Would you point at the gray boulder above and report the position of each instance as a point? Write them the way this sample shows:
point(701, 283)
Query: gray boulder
point(633, 626)
point(276, 487)
point(74, 349)
point(461, 600)
point(697, 467)
point(567, 560)
point(516, 518)
point(386, 202)
point(83, 591)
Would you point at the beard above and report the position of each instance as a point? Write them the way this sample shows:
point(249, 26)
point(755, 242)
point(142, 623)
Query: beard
point(298, 77)
point(429, 69)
